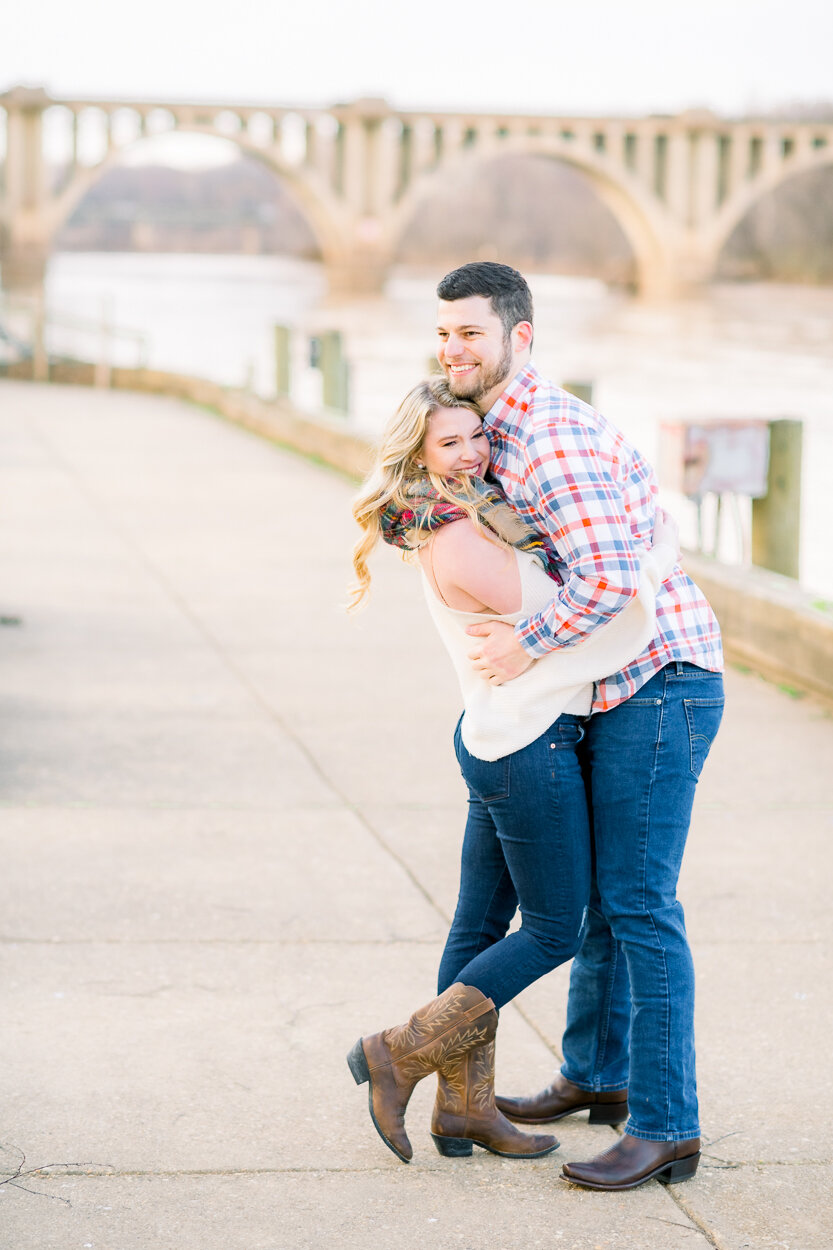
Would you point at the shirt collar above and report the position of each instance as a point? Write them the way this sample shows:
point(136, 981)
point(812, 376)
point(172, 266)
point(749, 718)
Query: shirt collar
point(513, 401)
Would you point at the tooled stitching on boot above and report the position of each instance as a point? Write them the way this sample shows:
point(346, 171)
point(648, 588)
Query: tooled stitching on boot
point(421, 1029)
point(465, 1095)
point(429, 1057)
point(422, 1025)
point(481, 1084)
point(452, 1085)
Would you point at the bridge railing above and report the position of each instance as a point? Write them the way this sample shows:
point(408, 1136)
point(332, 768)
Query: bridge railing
point(32, 330)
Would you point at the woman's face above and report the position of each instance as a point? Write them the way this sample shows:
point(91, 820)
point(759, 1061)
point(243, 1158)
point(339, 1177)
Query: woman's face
point(455, 443)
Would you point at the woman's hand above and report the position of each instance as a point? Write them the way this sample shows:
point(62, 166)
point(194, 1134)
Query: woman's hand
point(666, 530)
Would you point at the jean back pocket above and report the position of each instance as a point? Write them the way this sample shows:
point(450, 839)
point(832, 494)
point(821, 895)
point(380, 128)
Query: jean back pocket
point(703, 717)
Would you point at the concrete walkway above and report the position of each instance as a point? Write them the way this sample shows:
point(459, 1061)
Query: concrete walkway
point(229, 831)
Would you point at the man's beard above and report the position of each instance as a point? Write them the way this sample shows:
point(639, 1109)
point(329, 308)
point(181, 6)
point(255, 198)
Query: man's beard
point(482, 381)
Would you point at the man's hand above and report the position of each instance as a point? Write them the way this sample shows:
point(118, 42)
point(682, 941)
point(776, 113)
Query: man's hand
point(499, 656)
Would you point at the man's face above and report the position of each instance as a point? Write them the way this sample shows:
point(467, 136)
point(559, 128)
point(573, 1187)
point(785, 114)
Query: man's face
point(474, 350)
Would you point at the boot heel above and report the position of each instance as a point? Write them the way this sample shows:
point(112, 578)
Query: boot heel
point(357, 1063)
point(453, 1147)
point(680, 1170)
point(611, 1113)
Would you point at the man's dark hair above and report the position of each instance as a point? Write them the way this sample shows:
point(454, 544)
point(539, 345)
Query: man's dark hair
point(505, 287)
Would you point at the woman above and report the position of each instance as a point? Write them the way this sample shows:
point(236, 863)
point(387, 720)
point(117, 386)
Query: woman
point(527, 841)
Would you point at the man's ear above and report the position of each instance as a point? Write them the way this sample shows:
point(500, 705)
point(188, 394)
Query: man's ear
point(522, 336)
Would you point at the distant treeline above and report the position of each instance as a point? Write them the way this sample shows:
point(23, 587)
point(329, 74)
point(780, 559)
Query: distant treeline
point(240, 207)
point(537, 212)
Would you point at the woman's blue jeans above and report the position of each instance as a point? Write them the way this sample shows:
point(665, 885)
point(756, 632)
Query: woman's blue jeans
point(630, 1013)
point(527, 846)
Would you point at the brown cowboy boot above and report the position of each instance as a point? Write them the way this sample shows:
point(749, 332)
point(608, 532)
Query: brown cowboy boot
point(465, 1111)
point(632, 1161)
point(394, 1060)
point(562, 1098)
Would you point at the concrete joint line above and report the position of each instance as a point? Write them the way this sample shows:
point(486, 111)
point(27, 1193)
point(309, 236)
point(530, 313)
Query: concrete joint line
point(107, 1172)
point(713, 1238)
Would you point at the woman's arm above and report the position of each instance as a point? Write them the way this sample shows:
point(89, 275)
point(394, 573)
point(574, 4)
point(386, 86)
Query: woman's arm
point(469, 571)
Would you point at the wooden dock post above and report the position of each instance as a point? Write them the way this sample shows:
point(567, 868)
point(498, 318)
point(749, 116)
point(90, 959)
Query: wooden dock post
point(283, 371)
point(776, 518)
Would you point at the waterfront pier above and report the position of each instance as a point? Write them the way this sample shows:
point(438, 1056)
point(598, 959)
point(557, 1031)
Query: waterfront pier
point(230, 819)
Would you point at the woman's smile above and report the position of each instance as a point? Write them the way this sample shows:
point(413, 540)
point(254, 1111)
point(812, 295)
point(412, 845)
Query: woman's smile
point(456, 443)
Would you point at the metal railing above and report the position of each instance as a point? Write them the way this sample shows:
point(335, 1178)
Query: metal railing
point(30, 329)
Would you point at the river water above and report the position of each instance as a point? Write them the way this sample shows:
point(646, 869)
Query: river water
point(743, 350)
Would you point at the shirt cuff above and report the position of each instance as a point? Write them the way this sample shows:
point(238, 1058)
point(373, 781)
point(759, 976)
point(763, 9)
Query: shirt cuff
point(537, 644)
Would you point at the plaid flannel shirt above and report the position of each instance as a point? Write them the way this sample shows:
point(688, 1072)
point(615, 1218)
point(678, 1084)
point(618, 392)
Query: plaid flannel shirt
point(566, 469)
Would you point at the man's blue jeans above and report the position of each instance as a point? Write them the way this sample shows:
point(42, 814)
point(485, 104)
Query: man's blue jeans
point(632, 981)
point(527, 845)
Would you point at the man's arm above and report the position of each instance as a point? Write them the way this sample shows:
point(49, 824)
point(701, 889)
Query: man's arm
point(498, 656)
point(570, 484)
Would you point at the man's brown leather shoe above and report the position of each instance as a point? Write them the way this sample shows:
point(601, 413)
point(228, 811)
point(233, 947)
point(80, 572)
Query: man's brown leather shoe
point(563, 1098)
point(633, 1161)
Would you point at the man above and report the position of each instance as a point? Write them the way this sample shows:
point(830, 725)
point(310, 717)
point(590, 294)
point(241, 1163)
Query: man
point(629, 1041)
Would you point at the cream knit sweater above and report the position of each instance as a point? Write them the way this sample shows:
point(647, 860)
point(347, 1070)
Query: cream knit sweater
point(501, 719)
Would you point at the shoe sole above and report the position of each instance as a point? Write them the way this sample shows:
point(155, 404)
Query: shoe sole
point(462, 1148)
point(667, 1174)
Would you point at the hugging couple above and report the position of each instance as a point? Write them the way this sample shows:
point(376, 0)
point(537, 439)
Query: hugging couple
point(590, 670)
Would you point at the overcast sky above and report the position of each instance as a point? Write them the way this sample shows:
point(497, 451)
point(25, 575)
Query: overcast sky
point(586, 56)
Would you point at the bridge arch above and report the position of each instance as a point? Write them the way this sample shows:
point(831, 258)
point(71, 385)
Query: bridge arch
point(745, 199)
point(315, 201)
point(677, 186)
point(647, 233)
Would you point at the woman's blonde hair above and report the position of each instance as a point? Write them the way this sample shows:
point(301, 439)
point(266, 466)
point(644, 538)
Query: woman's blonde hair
point(395, 466)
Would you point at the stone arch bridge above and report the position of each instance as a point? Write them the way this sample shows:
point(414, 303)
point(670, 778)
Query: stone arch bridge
point(677, 185)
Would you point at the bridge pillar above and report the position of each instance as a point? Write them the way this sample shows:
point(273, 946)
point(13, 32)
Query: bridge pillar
point(359, 273)
point(24, 249)
point(363, 268)
point(684, 272)
point(22, 266)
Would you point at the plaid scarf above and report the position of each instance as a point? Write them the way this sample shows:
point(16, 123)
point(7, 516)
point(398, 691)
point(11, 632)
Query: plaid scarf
point(427, 511)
